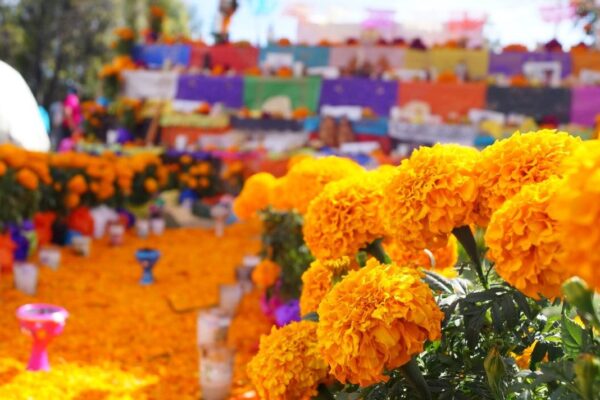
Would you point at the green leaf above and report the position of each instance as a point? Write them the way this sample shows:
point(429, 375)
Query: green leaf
point(573, 336)
point(413, 375)
point(438, 283)
point(311, 316)
point(539, 352)
point(464, 235)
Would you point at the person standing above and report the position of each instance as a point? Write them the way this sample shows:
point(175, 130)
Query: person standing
point(72, 112)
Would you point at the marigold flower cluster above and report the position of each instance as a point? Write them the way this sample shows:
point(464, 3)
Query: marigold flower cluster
point(524, 243)
point(509, 164)
point(254, 196)
point(288, 365)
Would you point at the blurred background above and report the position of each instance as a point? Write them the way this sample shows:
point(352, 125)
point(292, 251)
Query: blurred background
point(57, 42)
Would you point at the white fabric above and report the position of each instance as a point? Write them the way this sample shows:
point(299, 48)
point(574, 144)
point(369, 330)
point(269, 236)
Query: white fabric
point(160, 85)
point(427, 134)
point(353, 113)
point(20, 119)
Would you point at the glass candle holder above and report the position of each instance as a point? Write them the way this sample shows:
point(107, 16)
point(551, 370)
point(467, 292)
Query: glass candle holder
point(142, 227)
point(230, 296)
point(82, 245)
point(49, 256)
point(212, 327)
point(25, 276)
point(116, 234)
point(219, 214)
point(216, 372)
point(147, 259)
point(43, 322)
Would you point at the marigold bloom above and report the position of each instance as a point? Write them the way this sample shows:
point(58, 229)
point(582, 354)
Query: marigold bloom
point(27, 179)
point(430, 194)
point(375, 320)
point(576, 207)
point(77, 185)
point(150, 185)
point(278, 196)
point(523, 242)
point(266, 273)
point(307, 178)
point(288, 365)
point(523, 360)
point(444, 257)
point(254, 196)
point(509, 164)
point(2, 168)
point(72, 200)
point(346, 216)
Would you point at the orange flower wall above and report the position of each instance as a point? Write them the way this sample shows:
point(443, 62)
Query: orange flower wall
point(123, 340)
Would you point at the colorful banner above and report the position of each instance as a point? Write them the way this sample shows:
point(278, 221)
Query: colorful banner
point(511, 63)
point(416, 59)
point(238, 58)
point(430, 134)
point(226, 90)
point(310, 56)
point(141, 84)
point(585, 106)
point(342, 56)
point(476, 61)
point(589, 60)
point(303, 92)
point(160, 55)
point(535, 102)
point(378, 95)
point(444, 98)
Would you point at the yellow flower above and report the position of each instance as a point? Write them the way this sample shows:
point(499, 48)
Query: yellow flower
point(523, 242)
point(288, 365)
point(576, 207)
point(430, 194)
point(508, 164)
point(278, 195)
point(27, 179)
point(306, 179)
point(266, 273)
point(524, 359)
point(346, 216)
point(254, 196)
point(375, 320)
point(444, 258)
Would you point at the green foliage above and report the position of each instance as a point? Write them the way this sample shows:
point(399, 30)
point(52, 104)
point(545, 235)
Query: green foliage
point(16, 202)
point(283, 243)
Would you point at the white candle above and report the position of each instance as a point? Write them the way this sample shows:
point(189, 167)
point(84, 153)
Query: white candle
point(143, 228)
point(230, 296)
point(212, 327)
point(50, 257)
point(158, 226)
point(216, 373)
point(116, 234)
point(82, 245)
point(26, 277)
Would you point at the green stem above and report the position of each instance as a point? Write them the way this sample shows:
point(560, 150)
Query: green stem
point(464, 235)
point(376, 250)
point(412, 373)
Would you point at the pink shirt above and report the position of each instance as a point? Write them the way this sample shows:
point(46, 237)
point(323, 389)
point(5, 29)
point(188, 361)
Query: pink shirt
point(72, 103)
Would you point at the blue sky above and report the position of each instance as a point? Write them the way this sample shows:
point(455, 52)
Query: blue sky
point(510, 21)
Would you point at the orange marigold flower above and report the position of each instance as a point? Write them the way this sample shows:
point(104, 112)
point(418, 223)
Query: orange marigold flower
point(124, 33)
point(157, 12)
point(430, 194)
point(278, 195)
point(254, 196)
point(441, 260)
point(523, 360)
point(346, 216)
point(318, 279)
point(186, 159)
point(288, 365)
point(27, 179)
point(523, 242)
point(2, 168)
point(266, 273)
point(576, 207)
point(375, 320)
point(77, 185)
point(150, 185)
point(12, 155)
point(72, 200)
point(306, 179)
point(509, 164)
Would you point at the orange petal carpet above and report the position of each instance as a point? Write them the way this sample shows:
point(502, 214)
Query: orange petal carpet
point(122, 340)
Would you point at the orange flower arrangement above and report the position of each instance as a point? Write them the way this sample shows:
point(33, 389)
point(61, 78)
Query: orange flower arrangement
point(430, 194)
point(509, 164)
point(576, 207)
point(441, 260)
point(288, 365)
point(386, 311)
point(2, 168)
point(150, 185)
point(124, 33)
point(447, 77)
point(266, 273)
point(77, 185)
point(27, 179)
point(524, 242)
point(306, 179)
point(346, 216)
point(254, 196)
point(157, 12)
